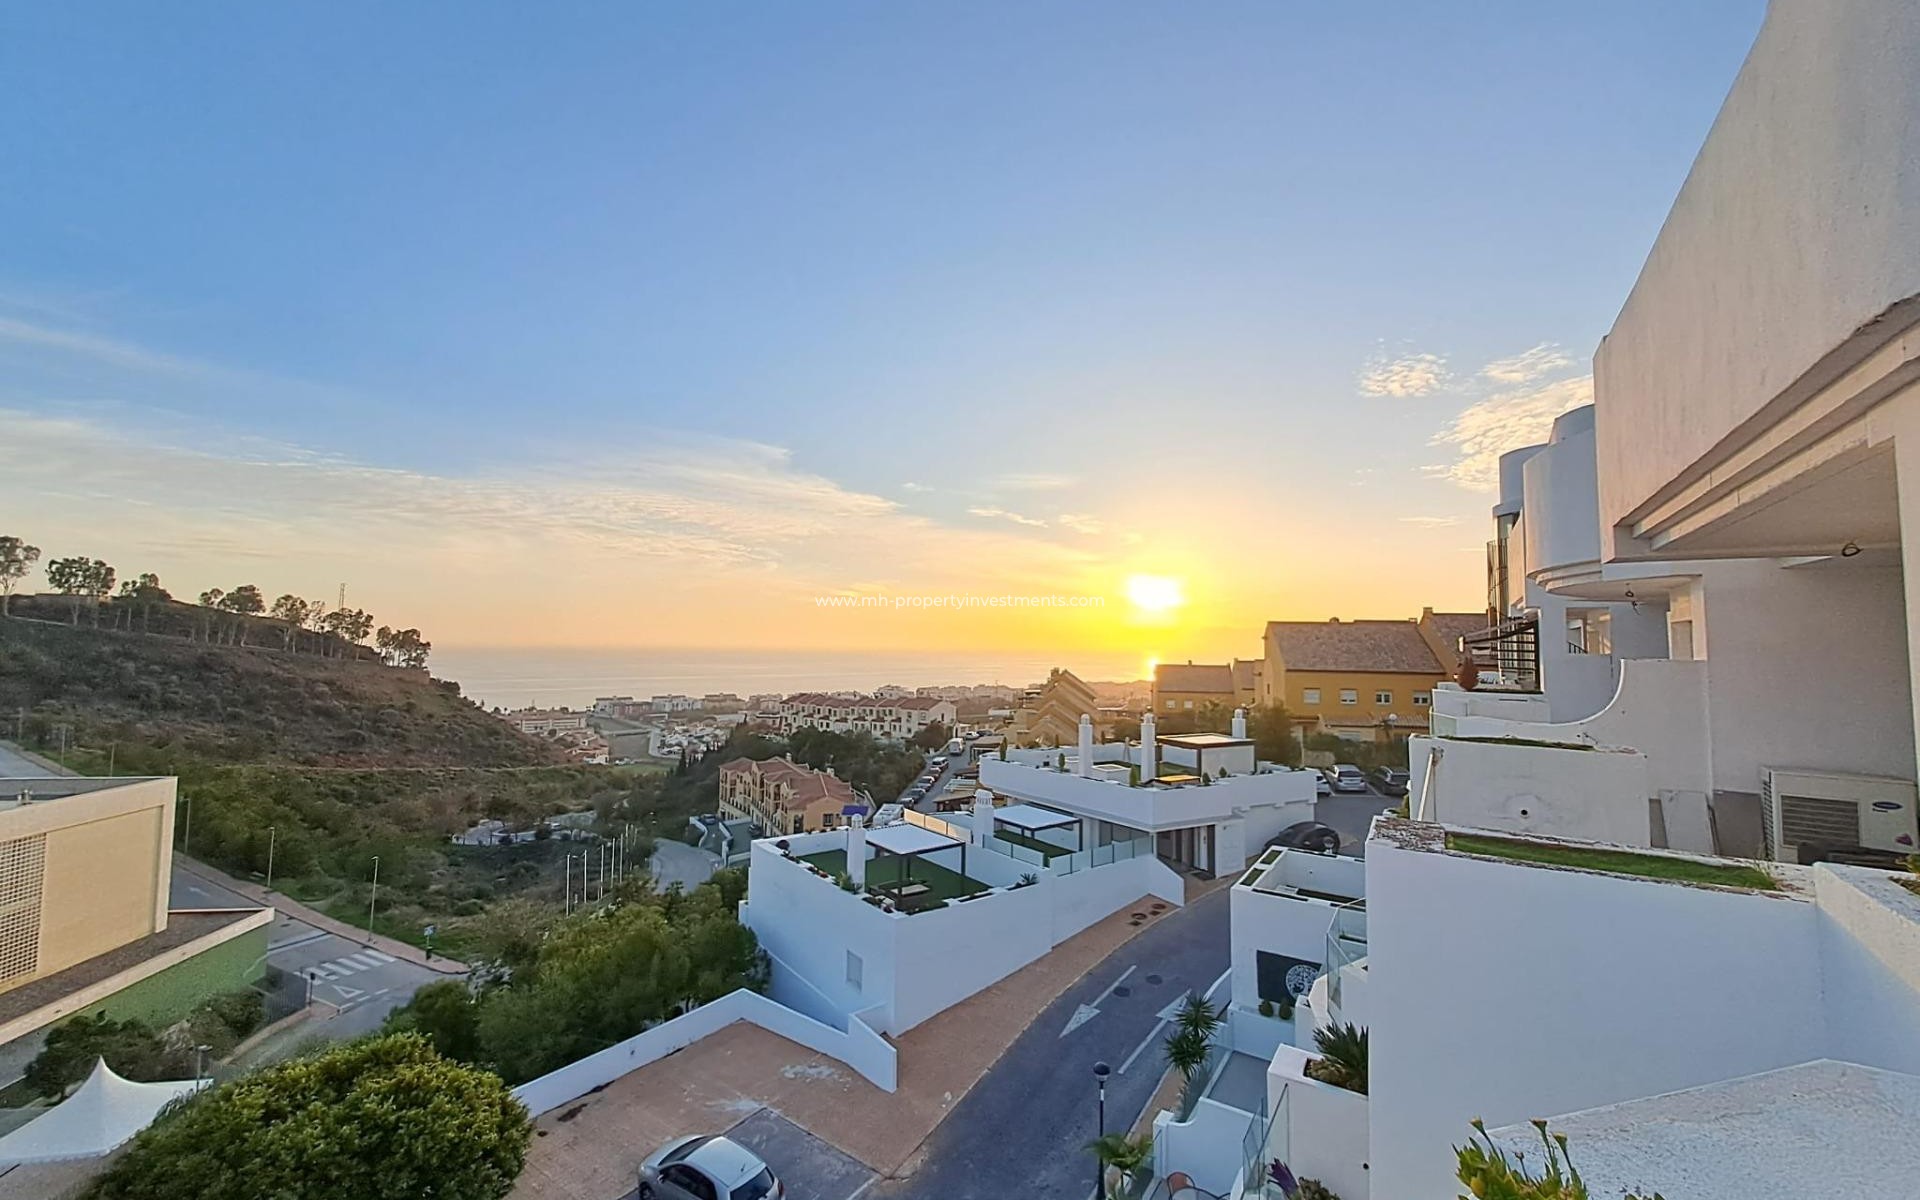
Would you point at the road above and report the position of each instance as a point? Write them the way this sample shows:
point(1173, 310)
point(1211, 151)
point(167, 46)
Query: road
point(1022, 1129)
point(13, 766)
point(1351, 813)
point(676, 862)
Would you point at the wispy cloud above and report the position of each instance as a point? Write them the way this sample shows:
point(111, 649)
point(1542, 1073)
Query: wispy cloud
point(911, 486)
point(35, 336)
point(1432, 522)
point(1527, 366)
point(1002, 514)
point(1033, 483)
point(1082, 523)
point(1406, 376)
point(1505, 421)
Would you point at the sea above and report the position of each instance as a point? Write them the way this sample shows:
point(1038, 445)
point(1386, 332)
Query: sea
point(517, 677)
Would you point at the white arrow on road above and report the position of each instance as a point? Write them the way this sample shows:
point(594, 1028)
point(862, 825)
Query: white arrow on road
point(1087, 1012)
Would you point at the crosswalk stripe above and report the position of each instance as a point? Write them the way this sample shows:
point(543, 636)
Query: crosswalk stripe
point(363, 960)
point(379, 954)
point(343, 966)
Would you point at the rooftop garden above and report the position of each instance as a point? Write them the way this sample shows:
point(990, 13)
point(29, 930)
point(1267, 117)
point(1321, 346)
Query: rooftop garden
point(1045, 849)
point(915, 884)
point(1616, 862)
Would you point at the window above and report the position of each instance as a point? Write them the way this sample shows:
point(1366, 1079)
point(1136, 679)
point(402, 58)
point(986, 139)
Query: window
point(1349, 696)
point(1310, 696)
point(690, 1181)
point(757, 1188)
point(1422, 699)
point(1187, 703)
point(1383, 697)
point(855, 969)
point(1171, 703)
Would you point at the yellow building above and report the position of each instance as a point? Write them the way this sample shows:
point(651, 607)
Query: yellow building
point(1363, 680)
point(783, 797)
point(1189, 687)
point(85, 870)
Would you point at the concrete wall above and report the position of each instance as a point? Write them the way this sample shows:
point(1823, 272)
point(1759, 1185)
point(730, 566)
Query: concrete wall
point(1596, 794)
point(1326, 1126)
point(1285, 925)
point(1797, 226)
point(1510, 992)
point(1087, 897)
point(1870, 965)
point(1209, 1145)
point(859, 1047)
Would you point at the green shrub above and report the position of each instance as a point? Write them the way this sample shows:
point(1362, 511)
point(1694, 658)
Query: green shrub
point(1343, 1057)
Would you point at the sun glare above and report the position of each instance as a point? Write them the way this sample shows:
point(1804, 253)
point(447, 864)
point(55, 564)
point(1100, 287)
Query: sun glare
point(1155, 593)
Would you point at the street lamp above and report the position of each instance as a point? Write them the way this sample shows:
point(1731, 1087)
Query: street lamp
point(270, 835)
point(1100, 1072)
point(373, 898)
point(200, 1061)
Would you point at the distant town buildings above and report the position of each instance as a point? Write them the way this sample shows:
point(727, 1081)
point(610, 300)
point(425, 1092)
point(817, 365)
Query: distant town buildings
point(547, 722)
point(783, 797)
point(1049, 714)
point(898, 718)
point(1190, 686)
point(1362, 680)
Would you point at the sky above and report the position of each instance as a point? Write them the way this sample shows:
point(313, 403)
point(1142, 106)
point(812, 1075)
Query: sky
point(1047, 327)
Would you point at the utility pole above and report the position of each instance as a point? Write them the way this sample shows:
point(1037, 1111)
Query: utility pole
point(113, 748)
point(374, 898)
point(270, 833)
point(566, 889)
point(186, 839)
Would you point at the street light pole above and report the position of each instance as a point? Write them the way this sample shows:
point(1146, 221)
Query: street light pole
point(1100, 1072)
point(186, 838)
point(374, 898)
point(270, 837)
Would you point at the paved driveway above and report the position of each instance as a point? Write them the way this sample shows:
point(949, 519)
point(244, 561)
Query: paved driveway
point(676, 862)
point(808, 1168)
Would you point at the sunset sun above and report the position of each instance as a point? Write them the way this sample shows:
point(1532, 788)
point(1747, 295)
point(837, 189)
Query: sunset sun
point(1155, 594)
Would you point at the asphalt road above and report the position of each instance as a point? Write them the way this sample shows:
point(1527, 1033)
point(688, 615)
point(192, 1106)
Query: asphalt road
point(1351, 813)
point(13, 766)
point(676, 862)
point(1022, 1129)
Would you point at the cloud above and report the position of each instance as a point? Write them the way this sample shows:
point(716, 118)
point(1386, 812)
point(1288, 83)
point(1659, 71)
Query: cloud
point(1505, 421)
point(29, 335)
point(1003, 515)
point(1403, 377)
point(1432, 522)
point(1082, 523)
point(911, 486)
point(1033, 483)
point(1527, 366)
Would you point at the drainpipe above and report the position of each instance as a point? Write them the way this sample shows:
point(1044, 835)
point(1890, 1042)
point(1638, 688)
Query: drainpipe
point(1434, 755)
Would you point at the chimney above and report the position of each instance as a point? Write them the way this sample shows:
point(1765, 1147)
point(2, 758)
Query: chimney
point(1086, 745)
point(857, 850)
point(1239, 722)
point(1149, 750)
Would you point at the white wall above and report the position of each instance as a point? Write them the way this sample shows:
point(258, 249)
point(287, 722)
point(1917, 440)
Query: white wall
point(1509, 992)
point(859, 1047)
point(1087, 897)
point(1209, 1145)
point(1285, 925)
point(944, 956)
point(1597, 795)
point(810, 925)
point(1870, 961)
point(1327, 1126)
point(1762, 268)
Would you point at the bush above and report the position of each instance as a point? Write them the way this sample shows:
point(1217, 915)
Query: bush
point(130, 1048)
point(241, 1012)
point(1343, 1057)
point(381, 1117)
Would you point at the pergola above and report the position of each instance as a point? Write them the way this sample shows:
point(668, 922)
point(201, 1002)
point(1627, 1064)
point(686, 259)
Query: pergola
point(1031, 818)
point(908, 842)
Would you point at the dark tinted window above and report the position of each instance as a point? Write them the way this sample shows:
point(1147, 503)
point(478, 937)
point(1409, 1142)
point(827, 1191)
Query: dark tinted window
point(681, 1151)
point(753, 1189)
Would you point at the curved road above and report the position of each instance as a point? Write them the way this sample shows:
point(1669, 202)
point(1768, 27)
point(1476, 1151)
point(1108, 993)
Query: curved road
point(1022, 1130)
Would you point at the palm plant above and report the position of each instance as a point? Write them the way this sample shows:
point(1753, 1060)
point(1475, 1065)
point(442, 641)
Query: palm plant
point(1343, 1057)
point(1127, 1155)
point(1198, 1016)
point(1187, 1052)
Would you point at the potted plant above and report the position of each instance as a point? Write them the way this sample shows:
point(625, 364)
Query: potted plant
point(1343, 1057)
point(1127, 1155)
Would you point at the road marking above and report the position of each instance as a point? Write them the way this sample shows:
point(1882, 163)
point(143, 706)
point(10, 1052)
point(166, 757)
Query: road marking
point(1087, 1012)
point(1116, 983)
point(345, 992)
point(343, 966)
point(363, 960)
point(301, 940)
point(381, 955)
point(1224, 976)
point(1141, 1048)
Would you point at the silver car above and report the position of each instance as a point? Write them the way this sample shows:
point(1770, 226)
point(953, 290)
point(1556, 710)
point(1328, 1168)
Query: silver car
point(707, 1168)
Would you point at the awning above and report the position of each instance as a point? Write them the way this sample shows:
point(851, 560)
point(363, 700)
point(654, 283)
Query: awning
point(1032, 816)
point(909, 839)
point(105, 1113)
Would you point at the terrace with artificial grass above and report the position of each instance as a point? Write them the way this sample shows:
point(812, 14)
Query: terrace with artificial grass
point(1045, 849)
point(886, 873)
point(1616, 862)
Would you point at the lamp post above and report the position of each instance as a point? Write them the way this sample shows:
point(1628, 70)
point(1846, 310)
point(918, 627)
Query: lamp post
point(373, 898)
point(1100, 1072)
point(186, 835)
point(270, 839)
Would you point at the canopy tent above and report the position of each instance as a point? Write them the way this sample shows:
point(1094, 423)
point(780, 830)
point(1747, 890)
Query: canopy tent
point(105, 1113)
point(907, 842)
point(1031, 818)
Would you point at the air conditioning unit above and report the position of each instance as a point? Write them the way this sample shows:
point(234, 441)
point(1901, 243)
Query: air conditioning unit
point(1822, 812)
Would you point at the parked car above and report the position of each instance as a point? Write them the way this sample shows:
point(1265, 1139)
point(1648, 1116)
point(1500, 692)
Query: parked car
point(1322, 786)
point(937, 761)
point(1346, 777)
point(1391, 781)
point(1308, 835)
point(707, 1168)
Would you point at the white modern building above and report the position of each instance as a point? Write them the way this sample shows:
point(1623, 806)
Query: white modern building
point(1205, 801)
point(897, 718)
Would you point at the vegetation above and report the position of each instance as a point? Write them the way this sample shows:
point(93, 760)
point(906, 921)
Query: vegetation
point(1190, 1044)
point(596, 978)
point(934, 737)
point(381, 1117)
point(1343, 1057)
point(137, 1051)
point(1313, 1189)
point(1616, 862)
point(1128, 1155)
point(16, 560)
point(881, 769)
point(1489, 1174)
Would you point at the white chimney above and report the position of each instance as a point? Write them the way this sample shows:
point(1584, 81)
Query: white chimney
point(1149, 750)
point(1086, 745)
point(982, 817)
point(857, 850)
point(1239, 722)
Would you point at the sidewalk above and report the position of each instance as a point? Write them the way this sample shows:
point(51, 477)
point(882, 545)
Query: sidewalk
point(319, 920)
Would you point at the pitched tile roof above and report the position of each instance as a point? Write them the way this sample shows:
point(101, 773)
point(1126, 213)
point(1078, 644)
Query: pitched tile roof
point(1194, 677)
point(1451, 627)
point(807, 785)
point(1352, 646)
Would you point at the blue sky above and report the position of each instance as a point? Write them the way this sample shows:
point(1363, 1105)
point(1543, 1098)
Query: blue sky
point(728, 305)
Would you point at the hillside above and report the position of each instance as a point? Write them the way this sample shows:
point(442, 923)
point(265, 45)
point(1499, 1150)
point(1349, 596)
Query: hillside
point(212, 703)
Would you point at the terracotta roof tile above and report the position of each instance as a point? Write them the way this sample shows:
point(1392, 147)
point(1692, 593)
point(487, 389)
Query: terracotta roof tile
point(1352, 646)
point(1194, 677)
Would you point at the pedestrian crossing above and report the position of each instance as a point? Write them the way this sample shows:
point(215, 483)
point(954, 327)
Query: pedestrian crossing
point(351, 964)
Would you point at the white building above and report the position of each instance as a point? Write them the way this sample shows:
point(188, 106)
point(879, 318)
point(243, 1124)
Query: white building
point(899, 718)
point(543, 722)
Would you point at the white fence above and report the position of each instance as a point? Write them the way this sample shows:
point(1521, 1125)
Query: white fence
point(859, 1047)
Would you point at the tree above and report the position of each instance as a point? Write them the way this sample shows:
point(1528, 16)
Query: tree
point(142, 594)
point(243, 601)
point(402, 647)
point(1127, 1155)
point(210, 602)
point(72, 1047)
point(445, 1014)
point(83, 581)
point(349, 626)
point(1271, 728)
point(933, 737)
point(383, 1117)
point(292, 611)
point(16, 559)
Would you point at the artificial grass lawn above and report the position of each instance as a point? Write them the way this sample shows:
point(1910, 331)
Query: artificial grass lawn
point(1616, 862)
point(882, 871)
point(1034, 844)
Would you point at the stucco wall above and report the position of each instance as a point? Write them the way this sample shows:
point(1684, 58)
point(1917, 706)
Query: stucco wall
point(1797, 225)
point(1285, 925)
point(1327, 1126)
point(1596, 795)
point(1509, 992)
point(1870, 962)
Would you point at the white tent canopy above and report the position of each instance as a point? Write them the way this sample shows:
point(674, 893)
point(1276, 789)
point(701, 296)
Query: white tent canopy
point(909, 839)
point(1032, 816)
point(105, 1113)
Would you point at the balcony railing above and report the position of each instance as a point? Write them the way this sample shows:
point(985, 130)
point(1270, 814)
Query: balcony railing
point(1266, 1146)
point(1346, 945)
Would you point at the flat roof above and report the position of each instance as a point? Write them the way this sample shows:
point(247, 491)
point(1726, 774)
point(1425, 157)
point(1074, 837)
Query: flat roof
point(909, 839)
point(183, 926)
point(1201, 741)
point(1823, 1128)
point(1032, 816)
